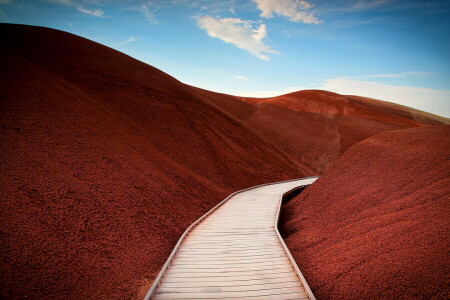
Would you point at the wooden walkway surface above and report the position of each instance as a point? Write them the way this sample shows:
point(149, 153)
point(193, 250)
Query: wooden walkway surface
point(235, 252)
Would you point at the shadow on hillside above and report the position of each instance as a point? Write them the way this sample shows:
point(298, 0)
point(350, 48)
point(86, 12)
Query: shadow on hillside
point(286, 212)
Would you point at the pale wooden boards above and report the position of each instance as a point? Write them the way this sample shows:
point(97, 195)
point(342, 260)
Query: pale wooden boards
point(236, 252)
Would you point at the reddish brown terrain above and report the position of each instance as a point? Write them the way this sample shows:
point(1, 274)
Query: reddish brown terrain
point(376, 225)
point(105, 160)
point(316, 127)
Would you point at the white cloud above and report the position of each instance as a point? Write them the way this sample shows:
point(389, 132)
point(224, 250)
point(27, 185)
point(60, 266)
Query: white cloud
point(395, 75)
point(295, 10)
point(350, 6)
point(232, 10)
point(386, 76)
point(368, 4)
point(212, 7)
point(418, 73)
point(241, 77)
point(65, 2)
point(128, 41)
point(431, 100)
point(150, 8)
point(240, 33)
point(92, 12)
point(146, 10)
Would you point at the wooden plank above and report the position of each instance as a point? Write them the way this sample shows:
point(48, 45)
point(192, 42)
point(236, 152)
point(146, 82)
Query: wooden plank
point(229, 264)
point(242, 259)
point(237, 245)
point(241, 280)
point(227, 271)
point(230, 267)
point(295, 293)
point(227, 252)
point(256, 273)
point(228, 260)
point(202, 287)
point(213, 239)
point(223, 292)
point(228, 256)
point(266, 282)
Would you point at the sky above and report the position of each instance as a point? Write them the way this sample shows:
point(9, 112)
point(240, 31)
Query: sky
point(394, 50)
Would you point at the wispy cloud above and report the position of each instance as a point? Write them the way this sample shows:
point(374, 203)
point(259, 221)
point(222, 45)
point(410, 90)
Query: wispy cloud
point(240, 33)
point(241, 77)
point(147, 10)
point(368, 4)
point(431, 100)
point(128, 41)
point(337, 7)
point(347, 23)
point(212, 7)
point(294, 10)
point(5, 1)
point(81, 8)
point(403, 74)
point(393, 75)
point(232, 8)
point(92, 12)
point(70, 24)
point(150, 8)
point(65, 2)
point(351, 6)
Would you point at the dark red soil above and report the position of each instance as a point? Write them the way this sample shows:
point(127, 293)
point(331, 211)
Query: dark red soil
point(104, 162)
point(316, 127)
point(376, 225)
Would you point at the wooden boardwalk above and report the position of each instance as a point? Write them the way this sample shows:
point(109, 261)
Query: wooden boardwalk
point(235, 252)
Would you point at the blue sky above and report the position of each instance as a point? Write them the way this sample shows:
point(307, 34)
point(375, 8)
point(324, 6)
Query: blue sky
point(392, 50)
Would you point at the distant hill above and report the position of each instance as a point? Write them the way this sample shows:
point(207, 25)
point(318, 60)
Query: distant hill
point(315, 127)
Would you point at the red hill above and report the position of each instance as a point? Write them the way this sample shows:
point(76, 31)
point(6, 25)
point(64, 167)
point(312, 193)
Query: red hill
point(316, 127)
point(105, 161)
point(376, 225)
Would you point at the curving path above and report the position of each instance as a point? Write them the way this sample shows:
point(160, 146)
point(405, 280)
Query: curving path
point(235, 252)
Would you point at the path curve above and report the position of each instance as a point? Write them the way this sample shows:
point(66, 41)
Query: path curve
point(235, 251)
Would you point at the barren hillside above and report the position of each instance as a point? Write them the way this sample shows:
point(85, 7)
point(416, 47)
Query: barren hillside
point(375, 226)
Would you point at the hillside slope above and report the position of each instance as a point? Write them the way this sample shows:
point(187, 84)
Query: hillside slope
point(105, 161)
point(376, 225)
point(315, 127)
